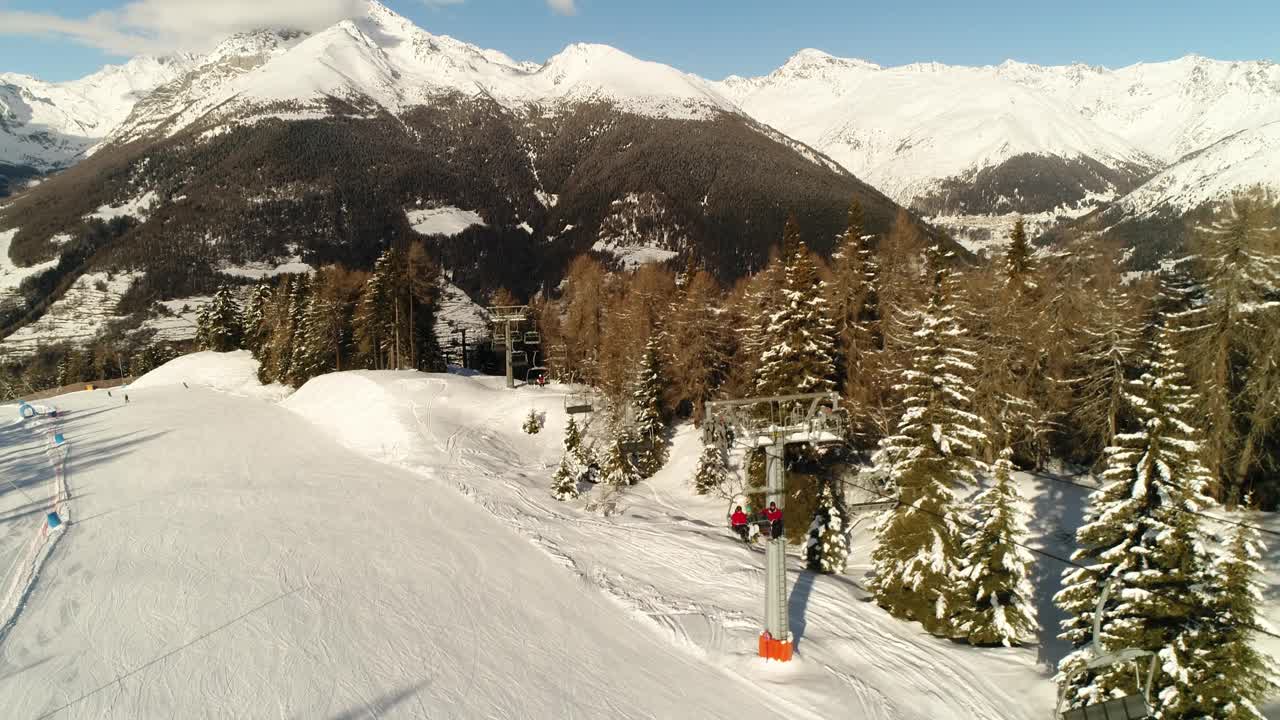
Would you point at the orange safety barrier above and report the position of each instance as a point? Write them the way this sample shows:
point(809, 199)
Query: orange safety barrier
point(771, 649)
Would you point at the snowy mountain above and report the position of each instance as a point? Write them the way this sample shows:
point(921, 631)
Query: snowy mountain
point(46, 126)
point(282, 147)
point(382, 61)
point(964, 143)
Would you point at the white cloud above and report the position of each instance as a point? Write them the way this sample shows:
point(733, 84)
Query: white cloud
point(159, 26)
point(564, 7)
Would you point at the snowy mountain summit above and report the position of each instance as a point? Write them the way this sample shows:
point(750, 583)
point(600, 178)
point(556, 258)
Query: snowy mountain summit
point(1025, 138)
point(382, 61)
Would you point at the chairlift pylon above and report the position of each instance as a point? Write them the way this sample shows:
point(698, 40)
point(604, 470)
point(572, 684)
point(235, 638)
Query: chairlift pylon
point(1134, 706)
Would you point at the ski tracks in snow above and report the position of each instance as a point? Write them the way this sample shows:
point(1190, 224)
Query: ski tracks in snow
point(699, 594)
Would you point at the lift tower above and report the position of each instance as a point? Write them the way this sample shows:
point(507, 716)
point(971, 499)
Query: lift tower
point(773, 423)
point(507, 318)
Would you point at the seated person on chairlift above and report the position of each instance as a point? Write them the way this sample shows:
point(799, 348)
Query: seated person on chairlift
point(739, 522)
point(774, 516)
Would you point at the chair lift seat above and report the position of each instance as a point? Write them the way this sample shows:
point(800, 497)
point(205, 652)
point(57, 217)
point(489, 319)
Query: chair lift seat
point(532, 338)
point(577, 403)
point(1131, 707)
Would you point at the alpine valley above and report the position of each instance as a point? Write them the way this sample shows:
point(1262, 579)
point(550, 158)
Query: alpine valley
point(129, 195)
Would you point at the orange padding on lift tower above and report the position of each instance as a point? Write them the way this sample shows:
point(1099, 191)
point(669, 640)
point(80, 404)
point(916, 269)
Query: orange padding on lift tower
point(771, 649)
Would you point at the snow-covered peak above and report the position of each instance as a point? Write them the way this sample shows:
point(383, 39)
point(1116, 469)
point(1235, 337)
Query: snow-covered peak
point(1247, 158)
point(49, 125)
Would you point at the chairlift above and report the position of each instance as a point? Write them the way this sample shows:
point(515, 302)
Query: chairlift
point(577, 403)
point(532, 338)
point(519, 359)
point(1134, 706)
point(535, 374)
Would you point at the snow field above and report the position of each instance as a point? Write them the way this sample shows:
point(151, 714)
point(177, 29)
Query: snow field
point(666, 556)
point(34, 500)
point(228, 560)
point(239, 558)
point(234, 373)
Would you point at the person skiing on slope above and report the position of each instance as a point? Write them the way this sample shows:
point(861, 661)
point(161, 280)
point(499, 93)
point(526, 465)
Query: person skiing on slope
point(739, 522)
point(774, 516)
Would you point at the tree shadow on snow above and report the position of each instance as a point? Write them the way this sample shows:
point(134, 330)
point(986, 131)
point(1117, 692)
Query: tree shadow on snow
point(379, 706)
point(1058, 510)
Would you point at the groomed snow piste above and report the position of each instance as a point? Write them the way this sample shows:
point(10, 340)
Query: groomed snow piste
point(384, 545)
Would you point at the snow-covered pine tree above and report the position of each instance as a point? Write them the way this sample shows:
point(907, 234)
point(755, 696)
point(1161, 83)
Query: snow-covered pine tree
point(224, 331)
point(646, 400)
point(930, 454)
point(574, 464)
point(253, 321)
point(713, 472)
point(312, 355)
point(1142, 533)
point(204, 320)
point(827, 549)
point(564, 484)
point(1232, 676)
point(369, 323)
point(855, 311)
point(532, 423)
point(618, 469)
point(799, 340)
point(1113, 347)
point(1235, 374)
point(1000, 609)
point(288, 337)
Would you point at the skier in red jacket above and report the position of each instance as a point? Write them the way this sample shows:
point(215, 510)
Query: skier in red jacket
point(774, 516)
point(739, 522)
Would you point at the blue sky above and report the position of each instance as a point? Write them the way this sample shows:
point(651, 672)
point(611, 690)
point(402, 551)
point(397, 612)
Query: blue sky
point(713, 38)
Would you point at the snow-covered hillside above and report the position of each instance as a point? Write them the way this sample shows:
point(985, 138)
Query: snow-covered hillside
point(227, 559)
point(380, 58)
point(50, 125)
point(1249, 157)
point(903, 129)
point(908, 129)
point(384, 544)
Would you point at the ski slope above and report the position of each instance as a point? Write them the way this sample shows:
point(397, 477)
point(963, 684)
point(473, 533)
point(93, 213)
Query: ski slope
point(383, 544)
point(229, 561)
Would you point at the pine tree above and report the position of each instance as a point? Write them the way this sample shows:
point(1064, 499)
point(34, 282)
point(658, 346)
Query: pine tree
point(799, 338)
point(286, 336)
point(646, 400)
point(1105, 364)
point(698, 343)
point(573, 465)
point(370, 323)
point(930, 454)
point(253, 322)
point(1233, 676)
point(564, 484)
point(712, 474)
point(1142, 534)
point(855, 308)
point(224, 331)
point(1018, 266)
point(997, 567)
point(532, 423)
point(204, 329)
point(618, 469)
point(828, 544)
point(1238, 268)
